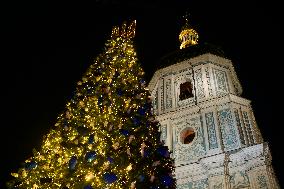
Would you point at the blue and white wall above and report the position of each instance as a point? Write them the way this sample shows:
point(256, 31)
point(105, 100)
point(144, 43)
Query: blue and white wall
point(223, 123)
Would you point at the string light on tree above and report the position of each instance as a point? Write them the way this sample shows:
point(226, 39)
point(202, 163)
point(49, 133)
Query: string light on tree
point(107, 136)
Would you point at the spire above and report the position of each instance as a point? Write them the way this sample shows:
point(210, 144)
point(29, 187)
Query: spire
point(188, 36)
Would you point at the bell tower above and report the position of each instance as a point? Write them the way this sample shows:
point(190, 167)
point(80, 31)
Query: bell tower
point(205, 122)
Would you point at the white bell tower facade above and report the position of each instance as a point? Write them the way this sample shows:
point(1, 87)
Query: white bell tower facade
point(208, 126)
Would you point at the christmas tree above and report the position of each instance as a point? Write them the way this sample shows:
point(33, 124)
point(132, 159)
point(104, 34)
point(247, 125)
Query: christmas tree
point(107, 136)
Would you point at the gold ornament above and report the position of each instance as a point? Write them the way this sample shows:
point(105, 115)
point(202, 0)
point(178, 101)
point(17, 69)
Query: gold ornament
point(89, 176)
point(106, 165)
point(129, 167)
point(81, 104)
point(124, 31)
point(84, 79)
point(128, 152)
point(105, 123)
point(152, 178)
point(76, 141)
point(131, 137)
point(188, 36)
point(68, 115)
point(115, 145)
point(16, 175)
point(35, 186)
point(132, 185)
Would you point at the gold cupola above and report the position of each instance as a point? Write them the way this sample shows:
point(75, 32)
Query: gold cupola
point(188, 36)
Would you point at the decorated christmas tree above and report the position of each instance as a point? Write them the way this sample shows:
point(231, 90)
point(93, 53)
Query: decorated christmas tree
point(107, 136)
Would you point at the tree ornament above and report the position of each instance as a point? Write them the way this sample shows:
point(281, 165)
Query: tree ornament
point(88, 187)
point(156, 163)
point(141, 178)
point(100, 100)
point(23, 173)
point(136, 121)
point(119, 92)
point(128, 110)
point(132, 186)
point(90, 156)
point(163, 151)
point(68, 115)
point(92, 124)
point(84, 131)
point(35, 186)
point(115, 145)
point(76, 142)
point(110, 128)
point(167, 180)
point(128, 152)
point(81, 104)
point(66, 128)
point(116, 74)
point(138, 96)
point(142, 82)
point(152, 178)
point(143, 145)
point(124, 132)
point(30, 165)
point(89, 176)
point(72, 162)
point(91, 139)
point(146, 153)
point(131, 137)
point(110, 178)
point(110, 160)
point(141, 111)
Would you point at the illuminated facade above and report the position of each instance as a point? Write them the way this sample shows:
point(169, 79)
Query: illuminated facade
point(204, 120)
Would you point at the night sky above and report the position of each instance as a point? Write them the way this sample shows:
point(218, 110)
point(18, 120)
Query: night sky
point(47, 47)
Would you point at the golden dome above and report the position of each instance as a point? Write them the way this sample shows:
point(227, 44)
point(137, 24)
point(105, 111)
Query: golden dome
point(188, 36)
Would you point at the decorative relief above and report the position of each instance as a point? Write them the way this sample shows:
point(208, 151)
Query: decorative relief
point(162, 94)
point(238, 122)
point(169, 100)
point(194, 150)
point(199, 84)
point(163, 132)
point(221, 85)
point(229, 134)
point(239, 180)
point(208, 80)
point(200, 184)
point(217, 182)
point(209, 117)
point(155, 101)
point(248, 127)
point(218, 186)
point(262, 182)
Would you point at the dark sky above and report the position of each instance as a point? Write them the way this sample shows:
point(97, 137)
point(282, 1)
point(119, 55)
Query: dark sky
point(46, 47)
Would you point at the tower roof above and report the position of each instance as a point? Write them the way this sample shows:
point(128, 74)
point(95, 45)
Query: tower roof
point(189, 52)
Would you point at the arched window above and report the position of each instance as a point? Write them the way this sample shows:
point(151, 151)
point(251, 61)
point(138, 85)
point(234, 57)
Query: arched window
point(187, 135)
point(185, 91)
